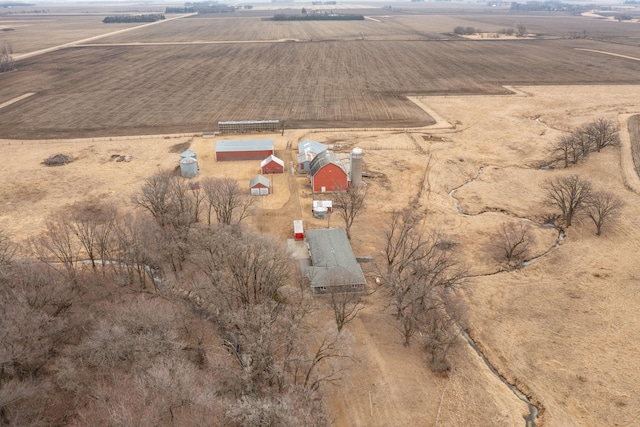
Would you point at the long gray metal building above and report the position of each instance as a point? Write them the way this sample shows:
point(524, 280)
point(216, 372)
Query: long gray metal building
point(333, 264)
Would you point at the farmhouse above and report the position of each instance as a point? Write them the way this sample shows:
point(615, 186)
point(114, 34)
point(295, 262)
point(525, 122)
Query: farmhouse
point(333, 264)
point(246, 149)
point(272, 164)
point(260, 186)
point(328, 173)
point(307, 150)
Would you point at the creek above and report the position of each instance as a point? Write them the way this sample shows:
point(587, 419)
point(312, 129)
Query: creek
point(533, 409)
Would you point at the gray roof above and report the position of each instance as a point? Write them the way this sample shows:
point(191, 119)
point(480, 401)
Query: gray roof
point(311, 146)
point(260, 180)
point(189, 153)
point(332, 259)
point(226, 145)
point(323, 159)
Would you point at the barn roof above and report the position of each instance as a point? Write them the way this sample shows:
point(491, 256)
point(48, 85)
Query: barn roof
point(270, 159)
point(332, 259)
point(323, 159)
point(227, 145)
point(311, 146)
point(260, 180)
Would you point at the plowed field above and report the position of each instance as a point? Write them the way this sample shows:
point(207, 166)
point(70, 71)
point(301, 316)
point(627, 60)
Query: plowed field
point(141, 89)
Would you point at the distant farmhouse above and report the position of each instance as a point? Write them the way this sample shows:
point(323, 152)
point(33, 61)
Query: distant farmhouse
point(247, 149)
point(333, 264)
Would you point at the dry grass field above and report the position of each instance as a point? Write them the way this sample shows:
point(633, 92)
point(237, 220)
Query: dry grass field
point(562, 329)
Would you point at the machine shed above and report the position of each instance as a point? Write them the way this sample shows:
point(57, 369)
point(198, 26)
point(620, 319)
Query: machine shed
point(244, 149)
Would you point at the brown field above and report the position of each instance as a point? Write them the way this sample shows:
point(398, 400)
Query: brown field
point(563, 329)
point(35, 32)
point(120, 90)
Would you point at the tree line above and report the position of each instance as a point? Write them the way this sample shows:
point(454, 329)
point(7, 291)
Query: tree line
point(125, 19)
point(172, 314)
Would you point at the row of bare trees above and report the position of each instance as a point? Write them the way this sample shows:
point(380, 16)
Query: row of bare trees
point(590, 137)
point(420, 276)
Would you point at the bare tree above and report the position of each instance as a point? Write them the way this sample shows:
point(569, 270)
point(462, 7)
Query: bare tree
point(7, 250)
point(227, 200)
point(602, 133)
point(405, 244)
point(419, 288)
point(345, 305)
point(58, 247)
point(93, 223)
point(603, 207)
point(442, 329)
point(349, 203)
point(169, 199)
point(570, 194)
point(6, 60)
point(132, 249)
point(511, 244)
point(569, 149)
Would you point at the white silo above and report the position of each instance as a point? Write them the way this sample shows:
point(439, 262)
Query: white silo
point(356, 166)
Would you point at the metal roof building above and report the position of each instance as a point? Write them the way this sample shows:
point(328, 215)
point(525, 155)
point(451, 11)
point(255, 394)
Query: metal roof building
point(260, 186)
point(333, 264)
point(244, 149)
point(272, 164)
point(307, 150)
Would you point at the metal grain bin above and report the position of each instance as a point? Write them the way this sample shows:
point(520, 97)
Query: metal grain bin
point(188, 167)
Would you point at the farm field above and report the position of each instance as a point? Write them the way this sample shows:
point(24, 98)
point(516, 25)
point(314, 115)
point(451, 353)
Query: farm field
point(31, 33)
point(558, 328)
point(154, 89)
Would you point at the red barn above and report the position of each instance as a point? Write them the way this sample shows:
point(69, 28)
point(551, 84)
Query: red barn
point(247, 149)
point(272, 164)
point(328, 173)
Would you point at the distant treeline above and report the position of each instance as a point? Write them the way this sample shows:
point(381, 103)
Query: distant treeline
point(548, 6)
point(202, 7)
point(14, 4)
point(125, 19)
point(180, 10)
point(318, 17)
